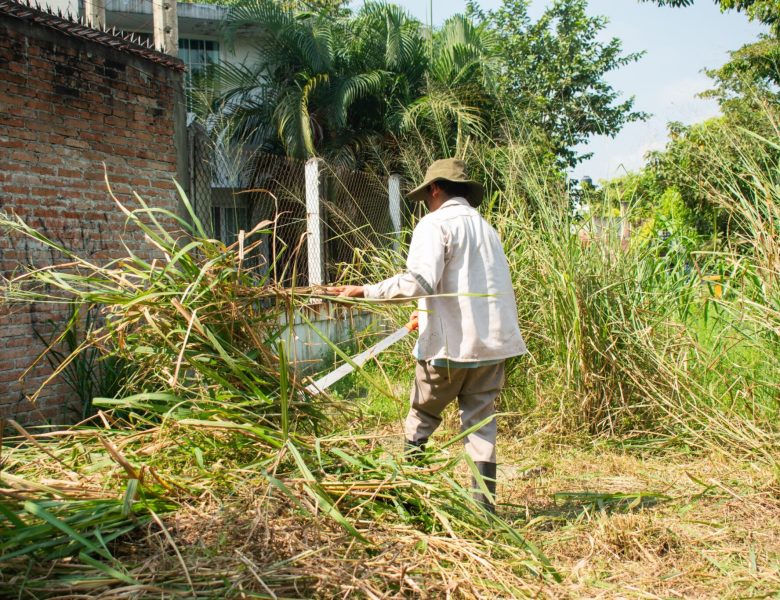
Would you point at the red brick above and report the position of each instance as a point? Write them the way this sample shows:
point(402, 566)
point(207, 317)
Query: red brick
point(24, 156)
point(51, 173)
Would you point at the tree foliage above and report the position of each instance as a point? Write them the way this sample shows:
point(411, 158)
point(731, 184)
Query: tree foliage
point(351, 85)
point(555, 68)
point(327, 83)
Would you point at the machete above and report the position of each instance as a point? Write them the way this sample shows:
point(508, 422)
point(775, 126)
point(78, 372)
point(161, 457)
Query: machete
point(359, 360)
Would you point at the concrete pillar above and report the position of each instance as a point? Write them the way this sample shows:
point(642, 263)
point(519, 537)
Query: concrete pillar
point(95, 13)
point(394, 189)
point(166, 26)
point(314, 223)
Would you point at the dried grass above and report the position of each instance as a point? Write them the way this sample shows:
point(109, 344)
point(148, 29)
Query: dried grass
point(715, 535)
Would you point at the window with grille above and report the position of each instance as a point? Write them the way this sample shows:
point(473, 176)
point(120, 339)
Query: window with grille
point(197, 56)
point(229, 214)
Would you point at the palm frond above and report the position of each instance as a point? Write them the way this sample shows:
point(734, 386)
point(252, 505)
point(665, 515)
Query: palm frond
point(293, 118)
point(465, 52)
point(398, 32)
point(353, 88)
point(264, 16)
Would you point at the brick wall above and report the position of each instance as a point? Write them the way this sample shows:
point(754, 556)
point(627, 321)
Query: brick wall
point(68, 105)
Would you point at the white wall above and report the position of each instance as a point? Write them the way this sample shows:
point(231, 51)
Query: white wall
point(242, 52)
point(308, 353)
point(130, 15)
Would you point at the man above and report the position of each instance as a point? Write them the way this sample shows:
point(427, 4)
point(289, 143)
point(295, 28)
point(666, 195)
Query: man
point(467, 314)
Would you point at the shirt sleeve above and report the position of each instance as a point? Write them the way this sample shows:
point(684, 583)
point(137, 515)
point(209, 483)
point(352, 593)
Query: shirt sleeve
point(424, 266)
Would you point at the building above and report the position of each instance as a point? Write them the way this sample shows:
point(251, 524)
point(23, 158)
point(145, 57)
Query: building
point(200, 42)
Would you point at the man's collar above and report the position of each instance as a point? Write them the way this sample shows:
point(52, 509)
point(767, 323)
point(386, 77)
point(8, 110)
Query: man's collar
point(456, 200)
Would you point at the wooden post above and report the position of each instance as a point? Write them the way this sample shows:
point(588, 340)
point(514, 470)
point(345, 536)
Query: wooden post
point(394, 199)
point(95, 13)
point(166, 26)
point(314, 223)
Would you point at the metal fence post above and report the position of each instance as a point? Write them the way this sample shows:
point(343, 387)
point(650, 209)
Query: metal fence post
point(394, 189)
point(314, 223)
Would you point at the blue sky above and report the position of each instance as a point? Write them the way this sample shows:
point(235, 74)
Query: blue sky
point(679, 43)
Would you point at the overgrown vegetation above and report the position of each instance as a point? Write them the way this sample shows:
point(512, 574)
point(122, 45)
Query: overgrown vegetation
point(639, 438)
point(355, 88)
point(209, 410)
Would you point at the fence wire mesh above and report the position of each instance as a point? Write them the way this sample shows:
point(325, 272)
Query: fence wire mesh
point(278, 194)
point(357, 215)
point(236, 188)
point(201, 174)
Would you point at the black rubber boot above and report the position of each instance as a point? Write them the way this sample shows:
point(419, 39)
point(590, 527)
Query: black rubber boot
point(488, 472)
point(414, 451)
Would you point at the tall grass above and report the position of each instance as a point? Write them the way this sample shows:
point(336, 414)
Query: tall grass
point(211, 412)
point(632, 341)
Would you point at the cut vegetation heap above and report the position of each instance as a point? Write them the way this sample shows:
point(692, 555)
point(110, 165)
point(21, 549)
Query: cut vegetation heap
point(210, 416)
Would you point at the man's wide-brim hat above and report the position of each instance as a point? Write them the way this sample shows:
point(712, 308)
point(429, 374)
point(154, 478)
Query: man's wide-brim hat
point(449, 169)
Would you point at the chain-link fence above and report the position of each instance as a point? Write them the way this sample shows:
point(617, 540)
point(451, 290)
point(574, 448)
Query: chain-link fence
point(201, 163)
point(278, 194)
point(357, 213)
point(321, 215)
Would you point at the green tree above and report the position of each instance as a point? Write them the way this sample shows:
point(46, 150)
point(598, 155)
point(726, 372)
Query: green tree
point(350, 86)
point(327, 84)
point(460, 98)
point(716, 159)
point(554, 72)
point(354, 86)
point(640, 190)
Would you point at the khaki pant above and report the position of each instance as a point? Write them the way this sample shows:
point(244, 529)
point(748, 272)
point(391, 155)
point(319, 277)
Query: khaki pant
point(476, 391)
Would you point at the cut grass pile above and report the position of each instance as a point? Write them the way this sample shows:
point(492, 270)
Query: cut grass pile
point(76, 522)
point(614, 524)
point(211, 423)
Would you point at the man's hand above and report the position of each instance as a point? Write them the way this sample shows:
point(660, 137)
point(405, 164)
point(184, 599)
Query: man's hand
point(414, 321)
point(345, 291)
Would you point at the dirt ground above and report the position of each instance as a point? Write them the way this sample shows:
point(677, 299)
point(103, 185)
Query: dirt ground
point(619, 525)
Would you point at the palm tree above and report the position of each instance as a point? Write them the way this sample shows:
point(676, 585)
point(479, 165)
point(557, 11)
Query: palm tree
point(460, 100)
point(327, 85)
point(352, 87)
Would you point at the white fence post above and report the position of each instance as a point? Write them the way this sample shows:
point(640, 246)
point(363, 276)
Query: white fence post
point(314, 238)
point(394, 189)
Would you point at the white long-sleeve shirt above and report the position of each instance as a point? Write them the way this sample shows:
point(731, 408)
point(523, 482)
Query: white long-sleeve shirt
point(456, 262)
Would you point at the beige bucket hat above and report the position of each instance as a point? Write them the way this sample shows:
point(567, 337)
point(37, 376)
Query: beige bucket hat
point(449, 169)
